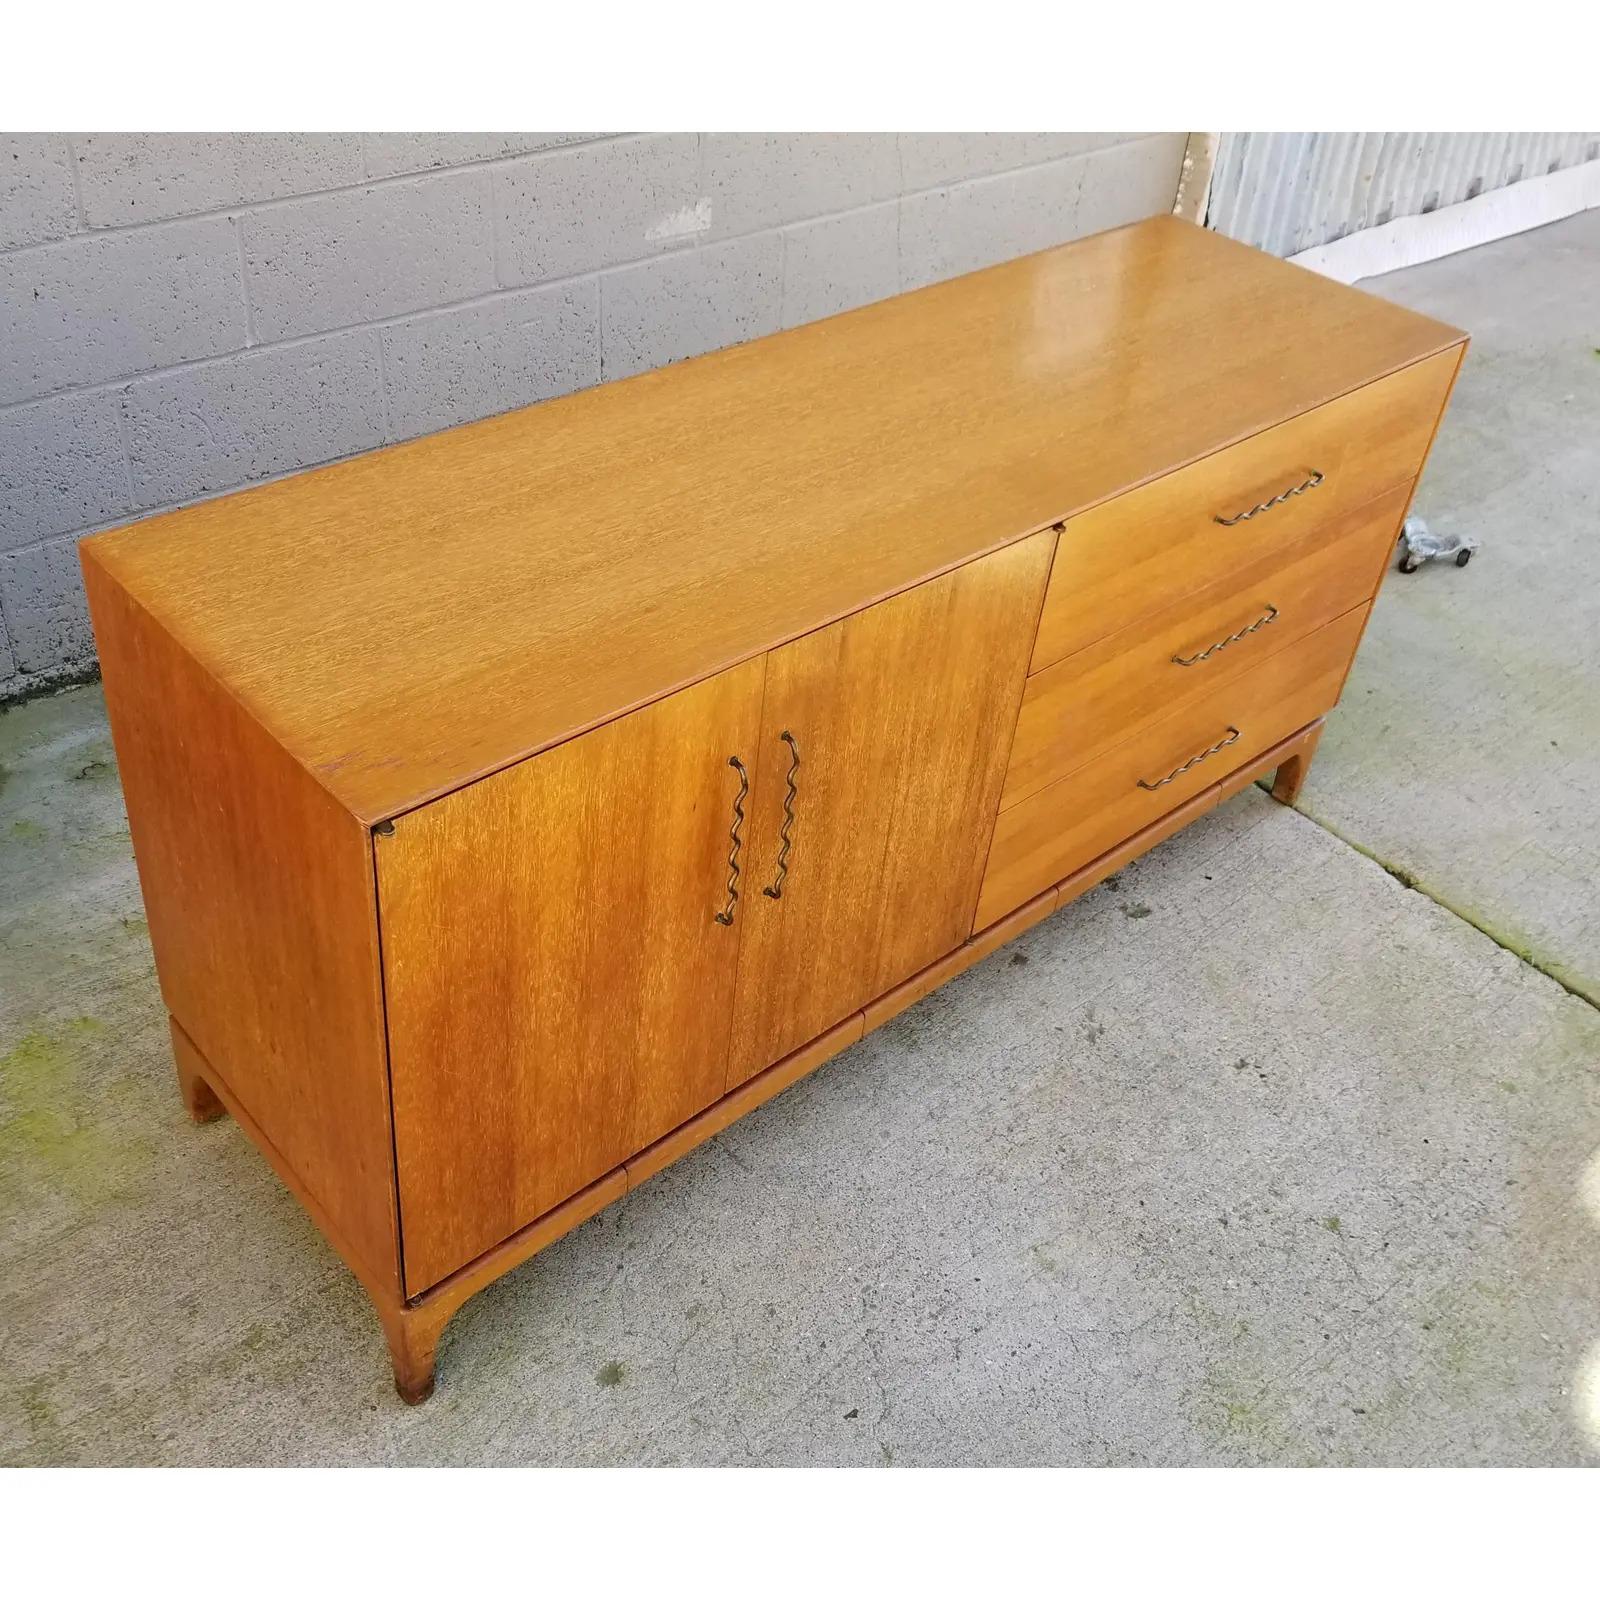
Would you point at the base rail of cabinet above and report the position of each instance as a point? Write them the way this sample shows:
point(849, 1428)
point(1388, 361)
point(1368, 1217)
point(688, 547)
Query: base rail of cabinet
point(413, 1326)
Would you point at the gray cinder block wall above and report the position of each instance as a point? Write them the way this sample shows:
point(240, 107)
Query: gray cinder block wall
point(181, 315)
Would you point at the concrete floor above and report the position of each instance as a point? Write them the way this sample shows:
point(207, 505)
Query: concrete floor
point(1256, 1155)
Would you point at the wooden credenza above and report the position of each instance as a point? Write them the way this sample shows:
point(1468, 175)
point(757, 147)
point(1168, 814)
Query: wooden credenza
point(517, 807)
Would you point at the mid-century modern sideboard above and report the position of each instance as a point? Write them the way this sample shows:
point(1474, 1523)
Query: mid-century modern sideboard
point(517, 807)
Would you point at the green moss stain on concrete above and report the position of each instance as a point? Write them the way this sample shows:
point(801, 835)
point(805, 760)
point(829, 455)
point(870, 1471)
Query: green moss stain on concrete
point(59, 1126)
point(1237, 1408)
point(26, 831)
point(1509, 937)
point(611, 1375)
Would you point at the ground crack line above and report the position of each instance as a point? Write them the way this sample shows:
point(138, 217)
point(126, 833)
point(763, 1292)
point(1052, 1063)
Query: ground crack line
point(1410, 880)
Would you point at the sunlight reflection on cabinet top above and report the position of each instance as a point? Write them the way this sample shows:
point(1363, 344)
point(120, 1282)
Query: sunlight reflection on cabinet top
point(411, 619)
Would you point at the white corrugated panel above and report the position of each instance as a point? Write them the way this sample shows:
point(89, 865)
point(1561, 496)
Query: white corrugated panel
point(1288, 192)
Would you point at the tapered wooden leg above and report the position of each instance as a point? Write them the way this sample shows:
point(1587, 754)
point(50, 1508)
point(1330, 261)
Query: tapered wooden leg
point(198, 1097)
point(1291, 774)
point(413, 1335)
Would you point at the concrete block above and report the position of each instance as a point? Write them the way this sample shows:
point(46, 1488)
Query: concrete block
point(36, 199)
point(332, 261)
point(931, 160)
point(41, 590)
point(145, 177)
point(455, 366)
point(760, 180)
point(949, 231)
point(1129, 181)
point(61, 467)
point(233, 422)
point(389, 154)
point(96, 308)
point(946, 232)
point(573, 211)
point(684, 305)
point(840, 263)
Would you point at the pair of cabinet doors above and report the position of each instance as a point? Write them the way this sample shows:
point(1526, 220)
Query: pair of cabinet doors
point(568, 974)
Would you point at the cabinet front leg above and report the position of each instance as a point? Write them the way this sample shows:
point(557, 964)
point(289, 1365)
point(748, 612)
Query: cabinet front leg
point(1291, 774)
point(413, 1334)
point(199, 1099)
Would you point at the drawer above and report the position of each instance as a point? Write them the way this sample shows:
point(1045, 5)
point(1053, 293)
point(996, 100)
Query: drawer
point(1150, 548)
point(1042, 839)
point(1077, 709)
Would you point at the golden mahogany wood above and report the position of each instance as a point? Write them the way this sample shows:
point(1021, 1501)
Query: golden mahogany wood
point(415, 618)
point(516, 808)
point(902, 719)
point(1152, 548)
point(559, 990)
point(1081, 706)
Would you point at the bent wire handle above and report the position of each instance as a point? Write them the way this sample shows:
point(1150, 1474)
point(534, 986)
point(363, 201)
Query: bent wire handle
point(1269, 615)
point(725, 915)
point(774, 890)
point(1276, 500)
point(1193, 761)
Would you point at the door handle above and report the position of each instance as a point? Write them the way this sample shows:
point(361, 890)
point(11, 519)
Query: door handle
point(774, 890)
point(725, 915)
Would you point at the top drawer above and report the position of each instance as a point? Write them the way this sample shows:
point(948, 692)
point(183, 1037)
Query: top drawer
point(1149, 548)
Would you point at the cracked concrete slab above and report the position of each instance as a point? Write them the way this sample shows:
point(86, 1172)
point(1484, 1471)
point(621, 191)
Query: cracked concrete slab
point(1467, 748)
point(1252, 1156)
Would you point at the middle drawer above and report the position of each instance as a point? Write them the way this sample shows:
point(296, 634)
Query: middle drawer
point(1079, 708)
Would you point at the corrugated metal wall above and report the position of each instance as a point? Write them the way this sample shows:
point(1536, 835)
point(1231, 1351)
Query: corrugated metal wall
point(1287, 192)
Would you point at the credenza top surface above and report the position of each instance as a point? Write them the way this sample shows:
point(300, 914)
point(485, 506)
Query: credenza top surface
point(409, 620)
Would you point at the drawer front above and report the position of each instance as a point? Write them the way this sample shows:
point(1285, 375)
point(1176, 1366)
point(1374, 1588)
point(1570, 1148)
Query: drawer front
point(1149, 549)
point(1039, 841)
point(1076, 710)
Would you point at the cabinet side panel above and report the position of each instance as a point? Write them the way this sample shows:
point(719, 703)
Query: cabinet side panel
point(259, 893)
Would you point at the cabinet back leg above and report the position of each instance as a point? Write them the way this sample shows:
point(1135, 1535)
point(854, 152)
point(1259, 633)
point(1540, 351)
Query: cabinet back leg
point(198, 1098)
point(1291, 774)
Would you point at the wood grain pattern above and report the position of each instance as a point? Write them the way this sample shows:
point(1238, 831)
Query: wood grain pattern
point(259, 894)
point(1077, 709)
point(1152, 549)
point(903, 717)
point(1043, 839)
point(413, 619)
point(559, 994)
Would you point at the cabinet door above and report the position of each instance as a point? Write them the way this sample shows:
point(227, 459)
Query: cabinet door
point(559, 993)
point(883, 747)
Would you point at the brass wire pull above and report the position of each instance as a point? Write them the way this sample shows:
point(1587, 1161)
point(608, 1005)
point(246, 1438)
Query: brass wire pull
point(1193, 761)
point(725, 915)
point(1269, 615)
point(1276, 500)
point(774, 890)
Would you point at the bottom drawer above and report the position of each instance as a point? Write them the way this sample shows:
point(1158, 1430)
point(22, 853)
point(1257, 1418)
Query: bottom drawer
point(1042, 839)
